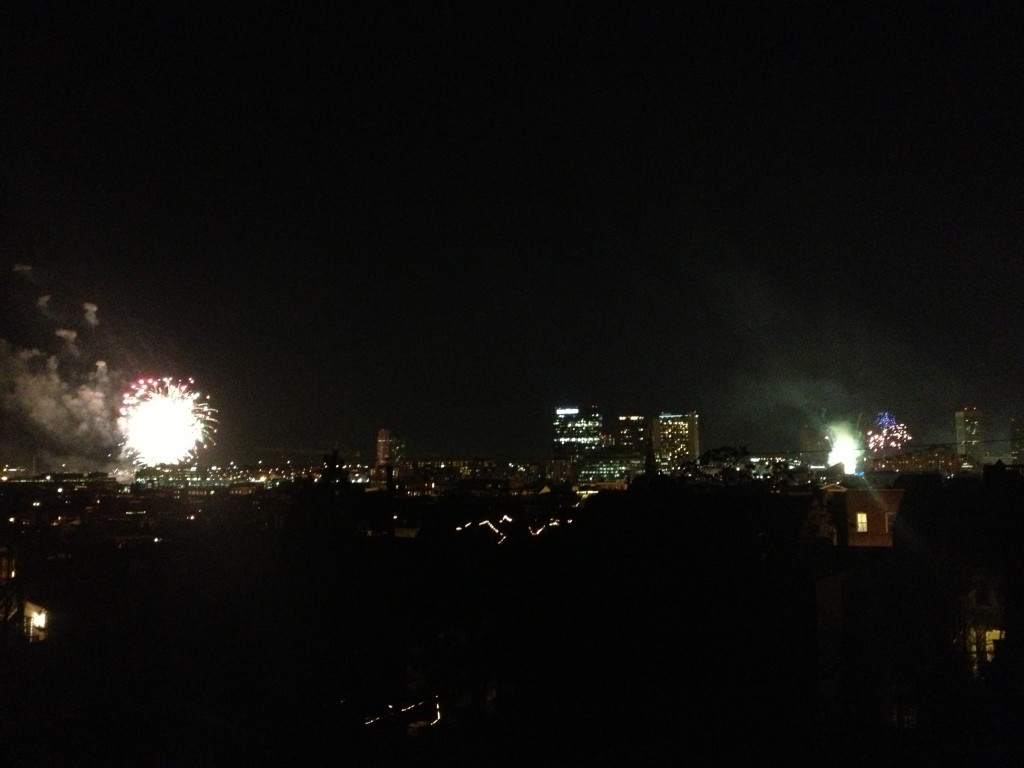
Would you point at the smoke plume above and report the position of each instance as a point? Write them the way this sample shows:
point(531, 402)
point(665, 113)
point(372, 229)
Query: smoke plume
point(59, 400)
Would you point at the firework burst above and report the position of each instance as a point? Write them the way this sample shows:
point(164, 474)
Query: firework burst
point(845, 448)
point(889, 434)
point(164, 421)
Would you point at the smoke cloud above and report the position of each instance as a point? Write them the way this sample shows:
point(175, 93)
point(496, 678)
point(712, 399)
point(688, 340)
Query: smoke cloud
point(59, 401)
point(65, 421)
point(69, 337)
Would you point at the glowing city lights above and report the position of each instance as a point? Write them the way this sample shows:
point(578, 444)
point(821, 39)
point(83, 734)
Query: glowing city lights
point(164, 421)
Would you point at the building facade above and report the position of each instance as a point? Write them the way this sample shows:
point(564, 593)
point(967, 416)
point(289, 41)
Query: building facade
point(577, 432)
point(970, 447)
point(675, 440)
point(1017, 441)
point(862, 517)
point(631, 434)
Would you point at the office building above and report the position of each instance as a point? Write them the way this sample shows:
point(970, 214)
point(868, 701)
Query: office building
point(383, 447)
point(631, 435)
point(675, 440)
point(577, 432)
point(970, 448)
point(1017, 441)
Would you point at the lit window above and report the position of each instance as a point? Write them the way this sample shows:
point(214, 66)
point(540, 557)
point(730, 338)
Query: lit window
point(862, 522)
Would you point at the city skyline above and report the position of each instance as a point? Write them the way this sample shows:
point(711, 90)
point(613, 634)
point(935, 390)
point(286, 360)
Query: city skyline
point(991, 438)
point(447, 222)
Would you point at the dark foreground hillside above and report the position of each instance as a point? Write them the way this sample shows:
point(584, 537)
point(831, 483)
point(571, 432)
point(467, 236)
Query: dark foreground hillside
point(651, 630)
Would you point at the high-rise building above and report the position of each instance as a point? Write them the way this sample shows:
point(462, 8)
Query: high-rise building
point(1017, 441)
point(577, 432)
point(610, 470)
point(969, 446)
point(383, 447)
point(675, 439)
point(390, 449)
point(631, 434)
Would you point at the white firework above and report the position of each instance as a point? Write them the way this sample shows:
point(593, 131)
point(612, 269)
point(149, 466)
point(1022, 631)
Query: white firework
point(164, 421)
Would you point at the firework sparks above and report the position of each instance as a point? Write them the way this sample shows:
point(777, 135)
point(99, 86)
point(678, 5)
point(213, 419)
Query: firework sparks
point(889, 434)
point(885, 419)
point(164, 421)
point(845, 448)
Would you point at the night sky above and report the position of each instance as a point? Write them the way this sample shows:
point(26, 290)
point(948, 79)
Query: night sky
point(448, 219)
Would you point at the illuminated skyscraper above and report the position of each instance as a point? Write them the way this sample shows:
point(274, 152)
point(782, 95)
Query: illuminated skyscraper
point(676, 440)
point(383, 447)
point(631, 435)
point(390, 449)
point(1017, 441)
point(577, 432)
point(969, 446)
